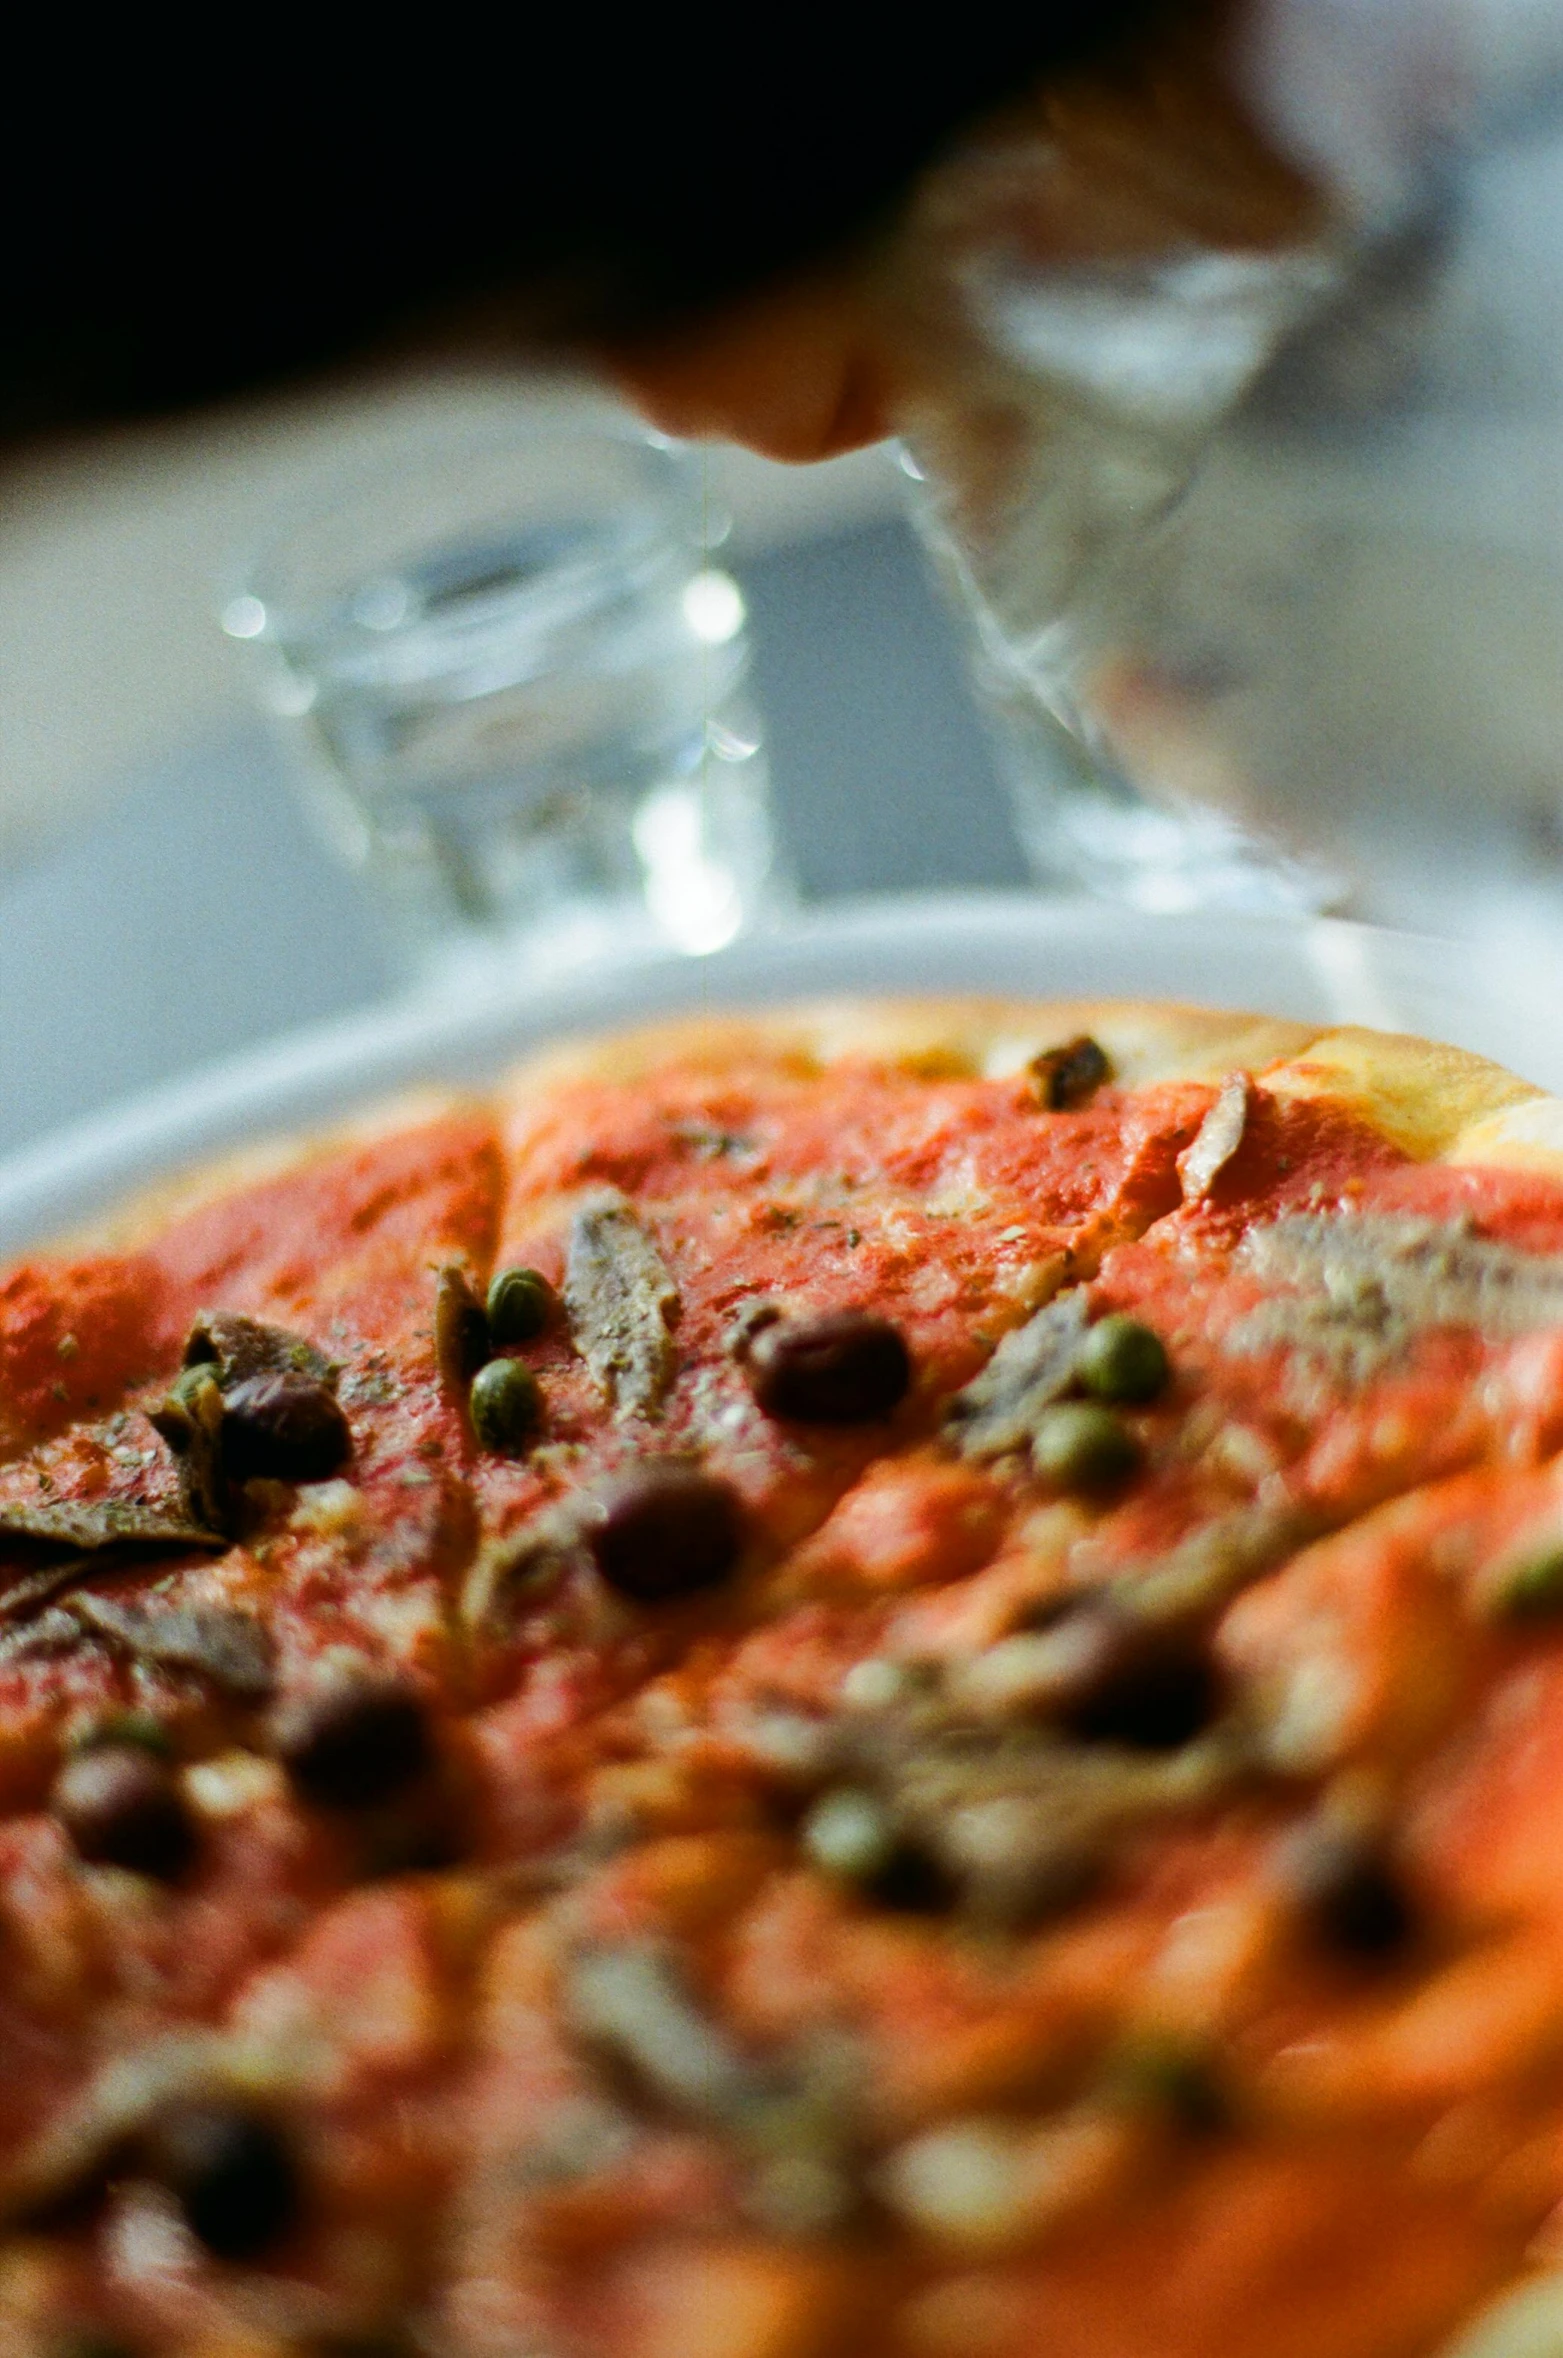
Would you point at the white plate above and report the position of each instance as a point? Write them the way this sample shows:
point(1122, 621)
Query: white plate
point(1322, 970)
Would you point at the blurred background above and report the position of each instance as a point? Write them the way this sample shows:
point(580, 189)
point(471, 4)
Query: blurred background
point(1344, 626)
point(163, 899)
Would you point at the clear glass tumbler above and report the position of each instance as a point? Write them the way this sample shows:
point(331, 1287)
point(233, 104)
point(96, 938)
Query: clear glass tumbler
point(513, 685)
point(1257, 537)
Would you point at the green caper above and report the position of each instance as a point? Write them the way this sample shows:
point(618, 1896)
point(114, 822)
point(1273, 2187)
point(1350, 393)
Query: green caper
point(1123, 1360)
point(520, 1304)
point(1165, 2075)
point(193, 1407)
point(1533, 1589)
point(506, 1405)
point(191, 1382)
point(848, 1834)
point(140, 1728)
point(1079, 1446)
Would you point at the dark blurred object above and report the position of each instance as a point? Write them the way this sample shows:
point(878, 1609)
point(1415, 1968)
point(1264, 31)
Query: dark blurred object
point(186, 229)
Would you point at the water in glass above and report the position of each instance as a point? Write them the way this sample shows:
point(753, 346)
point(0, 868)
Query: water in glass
point(518, 687)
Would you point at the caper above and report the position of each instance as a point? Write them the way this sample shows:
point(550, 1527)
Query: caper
point(190, 1384)
point(1079, 1446)
point(848, 1835)
point(1122, 1360)
point(1166, 2075)
point(125, 1727)
point(1533, 1589)
point(192, 1411)
point(506, 1405)
point(520, 1304)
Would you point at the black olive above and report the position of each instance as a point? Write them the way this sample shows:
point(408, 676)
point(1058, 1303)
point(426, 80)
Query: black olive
point(1069, 1076)
point(283, 1425)
point(353, 1743)
point(1349, 1893)
point(231, 2172)
point(845, 1367)
point(912, 1882)
point(121, 1807)
point(1149, 1685)
point(665, 1530)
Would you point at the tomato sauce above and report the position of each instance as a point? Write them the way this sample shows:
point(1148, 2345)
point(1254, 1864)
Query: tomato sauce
point(817, 1959)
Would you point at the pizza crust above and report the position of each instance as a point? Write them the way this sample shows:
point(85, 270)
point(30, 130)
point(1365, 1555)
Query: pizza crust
point(1427, 1098)
point(1147, 1042)
point(1434, 1102)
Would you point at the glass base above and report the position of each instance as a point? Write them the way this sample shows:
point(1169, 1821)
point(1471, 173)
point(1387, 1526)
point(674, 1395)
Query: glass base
point(1084, 827)
point(590, 875)
point(1077, 839)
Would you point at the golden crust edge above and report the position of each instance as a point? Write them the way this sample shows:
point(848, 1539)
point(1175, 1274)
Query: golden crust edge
point(1436, 1102)
point(1147, 1041)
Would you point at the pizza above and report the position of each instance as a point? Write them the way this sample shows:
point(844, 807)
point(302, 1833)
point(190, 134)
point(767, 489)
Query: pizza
point(885, 1677)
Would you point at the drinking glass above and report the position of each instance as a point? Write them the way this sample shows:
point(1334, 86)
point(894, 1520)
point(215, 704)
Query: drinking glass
point(1259, 550)
point(513, 686)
